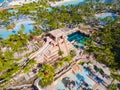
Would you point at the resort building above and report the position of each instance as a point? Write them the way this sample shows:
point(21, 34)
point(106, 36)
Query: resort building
point(60, 40)
point(53, 43)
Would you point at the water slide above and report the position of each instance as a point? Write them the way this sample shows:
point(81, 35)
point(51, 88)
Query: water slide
point(40, 51)
point(36, 84)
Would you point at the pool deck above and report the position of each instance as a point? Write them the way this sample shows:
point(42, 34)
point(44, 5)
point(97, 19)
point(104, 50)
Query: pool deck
point(55, 83)
point(70, 31)
point(82, 59)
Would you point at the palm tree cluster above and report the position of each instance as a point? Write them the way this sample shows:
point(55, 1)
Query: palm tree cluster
point(46, 74)
point(8, 62)
point(17, 42)
point(8, 65)
point(107, 47)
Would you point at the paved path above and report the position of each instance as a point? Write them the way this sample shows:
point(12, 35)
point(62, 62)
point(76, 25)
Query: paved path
point(21, 86)
point(36, 83)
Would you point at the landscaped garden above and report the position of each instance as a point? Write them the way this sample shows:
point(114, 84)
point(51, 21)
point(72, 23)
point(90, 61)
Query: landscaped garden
point(107, 49)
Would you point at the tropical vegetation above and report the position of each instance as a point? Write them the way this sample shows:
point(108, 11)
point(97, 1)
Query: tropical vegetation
point(106, 48)
point(105, 43)
point(46, 75)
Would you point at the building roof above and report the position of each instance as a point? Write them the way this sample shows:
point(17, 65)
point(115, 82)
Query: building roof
point(57, 32)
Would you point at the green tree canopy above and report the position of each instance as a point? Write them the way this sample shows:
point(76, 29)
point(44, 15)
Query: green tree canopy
point(46, 74)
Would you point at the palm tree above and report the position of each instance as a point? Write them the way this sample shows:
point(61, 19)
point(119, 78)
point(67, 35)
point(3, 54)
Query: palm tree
point(112, 87)
point(46, 74)
point(60, 53)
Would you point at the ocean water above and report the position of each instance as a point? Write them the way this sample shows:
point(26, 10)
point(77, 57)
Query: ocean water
point(72, 2)
point(1, 1)
point(80, 2)
point(107, 1)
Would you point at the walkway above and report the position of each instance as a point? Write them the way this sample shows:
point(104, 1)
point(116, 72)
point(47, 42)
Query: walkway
point(36, 83)
point(19, 87)
point(70, 31)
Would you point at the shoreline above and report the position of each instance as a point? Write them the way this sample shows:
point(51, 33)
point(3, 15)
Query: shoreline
point(57, 3)
point(21, 2)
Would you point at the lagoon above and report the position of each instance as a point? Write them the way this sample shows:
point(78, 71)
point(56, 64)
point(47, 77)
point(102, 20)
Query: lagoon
point(28, 28)
point(1, 1)
point(108, 16)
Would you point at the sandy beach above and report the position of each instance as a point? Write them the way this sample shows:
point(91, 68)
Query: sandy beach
point(21, 2)
point(58, 2)
point(63, 1)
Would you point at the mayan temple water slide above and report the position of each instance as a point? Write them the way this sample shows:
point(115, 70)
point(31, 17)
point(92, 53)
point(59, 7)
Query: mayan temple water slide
point(40, 51)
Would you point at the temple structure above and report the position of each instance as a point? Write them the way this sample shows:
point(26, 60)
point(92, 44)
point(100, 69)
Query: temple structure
point(54, 42)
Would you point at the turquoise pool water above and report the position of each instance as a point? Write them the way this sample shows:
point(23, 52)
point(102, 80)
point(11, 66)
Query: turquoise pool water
point(78, 39)
point(5, 4)
point(78, 81)
point(1, 1)
point(12, 11)
point(107, 1)
point(109, 16)
point(6, 33)
point(78, 78)
point(89, 81)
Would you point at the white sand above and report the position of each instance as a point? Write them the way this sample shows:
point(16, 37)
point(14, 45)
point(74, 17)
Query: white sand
point(98, 15)
point(21, 2)
point(63, 1)
point(58, 2)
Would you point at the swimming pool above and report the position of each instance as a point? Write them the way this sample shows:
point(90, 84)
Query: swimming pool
point(89, 81)
point(78, 39)
point(104, 15)
point(12, 11)
point(78, 81)
point(28, 28)
point(4, 3)
point(78, 78)
point(109, 17)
